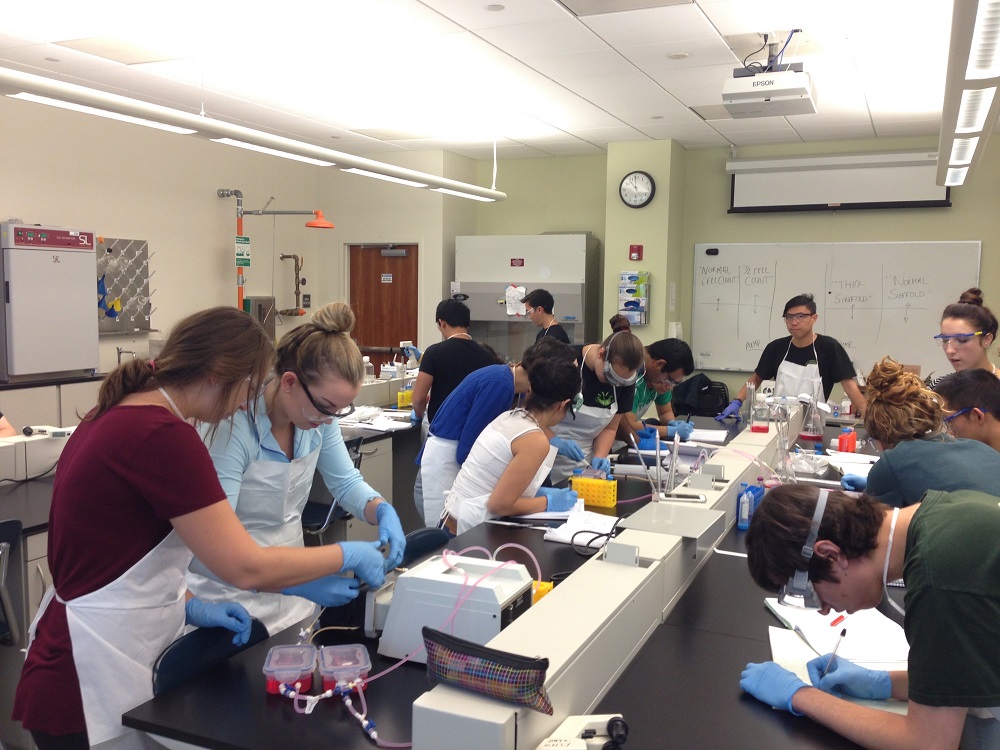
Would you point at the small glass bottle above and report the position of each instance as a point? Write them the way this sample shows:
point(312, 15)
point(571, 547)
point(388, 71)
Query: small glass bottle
point(369, 370)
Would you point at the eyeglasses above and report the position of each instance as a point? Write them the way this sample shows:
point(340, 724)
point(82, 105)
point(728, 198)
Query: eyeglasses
point(799, 591)
point(797, 317)
point(959, 413)
point(956, 338)
point(340, 413)
point(665, 380)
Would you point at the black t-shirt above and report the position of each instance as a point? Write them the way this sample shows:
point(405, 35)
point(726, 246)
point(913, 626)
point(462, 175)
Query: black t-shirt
point(834, 363)
point(448, 362)
point(555, 331)
point(603, 395)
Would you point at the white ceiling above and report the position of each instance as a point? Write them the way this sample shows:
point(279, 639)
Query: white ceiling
point(539, 77)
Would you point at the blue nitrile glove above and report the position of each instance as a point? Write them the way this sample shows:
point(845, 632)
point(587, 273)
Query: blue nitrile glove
point(412, 351)
point(328, 591)
point(390, 530)
point(558, 500)
point(365, 559)
point(854, 482)
point(847, 678)
point(771, 684)
point(679, 427)
point(733, 410)
point(228, 615)
point(647, 433)
point(601, 464)
point(649, 444)
point(566, 447)
point(414, 419)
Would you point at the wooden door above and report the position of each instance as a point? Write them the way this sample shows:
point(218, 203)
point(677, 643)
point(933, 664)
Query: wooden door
point(384, 296)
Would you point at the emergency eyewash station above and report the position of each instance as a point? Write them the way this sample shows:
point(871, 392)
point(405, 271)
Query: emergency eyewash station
point(589, 627)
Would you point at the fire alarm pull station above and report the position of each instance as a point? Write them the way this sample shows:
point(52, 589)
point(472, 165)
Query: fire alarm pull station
point(635, 252)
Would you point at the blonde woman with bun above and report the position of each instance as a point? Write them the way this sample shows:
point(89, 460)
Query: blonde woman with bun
point(920, 454)
point(968, 329)
point(267, 457)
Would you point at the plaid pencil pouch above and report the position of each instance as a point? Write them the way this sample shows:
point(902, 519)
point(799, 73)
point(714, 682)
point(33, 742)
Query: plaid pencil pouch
point(507, 677)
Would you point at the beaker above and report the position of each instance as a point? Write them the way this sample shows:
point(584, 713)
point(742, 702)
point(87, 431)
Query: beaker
point(759, 421)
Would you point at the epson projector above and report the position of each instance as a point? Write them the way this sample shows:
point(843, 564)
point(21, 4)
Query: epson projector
point(769, 95)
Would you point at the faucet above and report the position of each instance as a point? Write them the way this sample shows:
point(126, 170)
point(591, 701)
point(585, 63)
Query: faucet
point(122, 351)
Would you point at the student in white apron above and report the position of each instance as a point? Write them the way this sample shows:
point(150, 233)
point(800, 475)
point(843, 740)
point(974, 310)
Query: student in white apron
point(266, 461)
point(135, 493)
point(803, 362)
point(510, 459)
point(608, 373)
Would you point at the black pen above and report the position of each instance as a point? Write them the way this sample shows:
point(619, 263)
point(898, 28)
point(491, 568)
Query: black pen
point(833, 655)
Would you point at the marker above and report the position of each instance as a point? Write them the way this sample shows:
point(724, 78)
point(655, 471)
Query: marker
point(837, 622)
point(833, 656)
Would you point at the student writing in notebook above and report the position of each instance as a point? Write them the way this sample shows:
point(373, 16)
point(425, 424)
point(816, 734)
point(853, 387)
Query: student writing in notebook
point(837, 550)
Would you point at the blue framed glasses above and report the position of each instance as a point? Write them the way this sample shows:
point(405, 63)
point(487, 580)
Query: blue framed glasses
point(944, 339)
point(959, 413)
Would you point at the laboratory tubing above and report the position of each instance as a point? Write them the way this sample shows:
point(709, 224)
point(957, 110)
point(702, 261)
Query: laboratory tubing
point(369, 370)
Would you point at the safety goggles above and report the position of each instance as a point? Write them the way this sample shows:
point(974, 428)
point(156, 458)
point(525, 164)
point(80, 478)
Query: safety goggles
point(797, 317)
point(665, 380)
point(799, 591)
point(617, 380)
point(330, 415)
point(959, 413)
point(943, 339)
point(574, 405)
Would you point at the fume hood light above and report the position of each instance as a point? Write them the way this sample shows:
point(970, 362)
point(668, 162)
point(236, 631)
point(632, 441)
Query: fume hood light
point(482, 198)
point(319, 222)
point(272, 151)
point(101, 113)
point(388, 178)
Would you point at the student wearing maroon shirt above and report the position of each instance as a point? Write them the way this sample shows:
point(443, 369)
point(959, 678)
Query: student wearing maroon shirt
point(135, 494)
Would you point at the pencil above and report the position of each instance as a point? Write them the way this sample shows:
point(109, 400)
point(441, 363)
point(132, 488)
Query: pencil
point(840, 639)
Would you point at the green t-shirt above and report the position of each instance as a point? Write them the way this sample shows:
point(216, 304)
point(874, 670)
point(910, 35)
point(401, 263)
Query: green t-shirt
point(644, 396)
point(952, 623)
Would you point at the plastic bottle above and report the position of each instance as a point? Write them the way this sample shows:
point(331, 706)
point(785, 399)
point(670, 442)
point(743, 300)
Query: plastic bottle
point(369, 370)
point(846, 407)
point(744, 507)
point(848, 441)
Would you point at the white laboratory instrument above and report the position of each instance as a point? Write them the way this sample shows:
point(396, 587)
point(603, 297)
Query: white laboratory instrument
point(484, 595)
point(49, 316)
point(589, 732)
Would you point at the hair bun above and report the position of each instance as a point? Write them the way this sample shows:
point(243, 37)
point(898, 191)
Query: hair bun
point(335, 317)
point(972, 296)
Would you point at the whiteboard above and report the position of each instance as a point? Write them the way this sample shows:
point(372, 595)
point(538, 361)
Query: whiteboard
point(876, 298)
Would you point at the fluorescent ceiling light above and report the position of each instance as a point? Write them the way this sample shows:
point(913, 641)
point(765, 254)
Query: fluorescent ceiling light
point(973, 110)
point(101, 113)
point(134, 110)
point(962, 151)
point(984, 60)
point(388, 178)
point(956, 176)
point(483, 198)
point(272, 151)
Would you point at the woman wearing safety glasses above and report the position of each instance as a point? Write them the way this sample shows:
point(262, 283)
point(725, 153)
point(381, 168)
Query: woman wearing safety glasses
point(968, 328)
point(266, 459)
point(919, 454)
point(608, 372)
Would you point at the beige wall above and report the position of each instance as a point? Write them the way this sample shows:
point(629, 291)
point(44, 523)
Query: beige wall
point(120, 180)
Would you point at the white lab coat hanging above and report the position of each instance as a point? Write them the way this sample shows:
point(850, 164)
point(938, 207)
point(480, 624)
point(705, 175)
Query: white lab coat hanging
point(793, 379)
point(270, 504)
point(589, 422)
point(118, 631)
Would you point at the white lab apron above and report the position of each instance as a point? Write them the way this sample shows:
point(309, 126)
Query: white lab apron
point(438, 468)
point(472, 511)
point(589, 422)
point(116, 634)
point(793, 379)
point(270, 505)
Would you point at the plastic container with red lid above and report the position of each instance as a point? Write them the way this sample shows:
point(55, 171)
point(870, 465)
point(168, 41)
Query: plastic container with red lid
point(290, 665)
point(341, 665)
